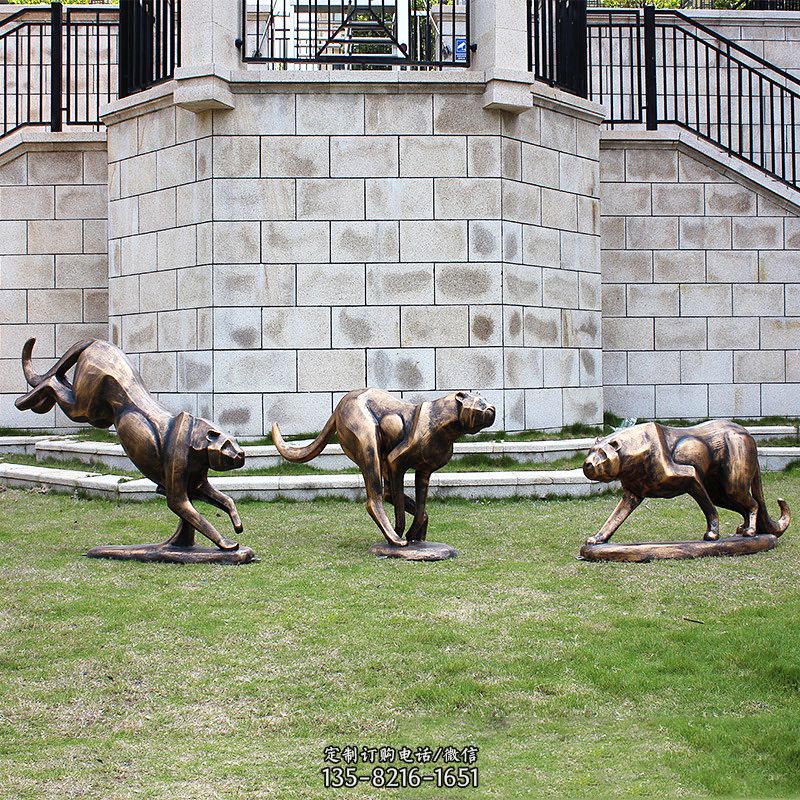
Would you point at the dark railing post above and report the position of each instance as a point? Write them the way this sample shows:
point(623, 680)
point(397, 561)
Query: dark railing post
point(56, 24)
point(650, 92)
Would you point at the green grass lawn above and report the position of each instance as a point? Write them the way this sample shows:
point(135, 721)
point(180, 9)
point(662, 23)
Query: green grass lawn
point(671, 679)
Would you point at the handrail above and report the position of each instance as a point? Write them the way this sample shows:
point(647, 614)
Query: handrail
point(666, 68)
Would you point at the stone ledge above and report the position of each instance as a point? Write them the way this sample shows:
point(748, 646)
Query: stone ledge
point(27, 140)
point(469, 485)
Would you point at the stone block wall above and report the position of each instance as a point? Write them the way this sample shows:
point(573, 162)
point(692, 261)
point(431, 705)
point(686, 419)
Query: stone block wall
point(53, 256)
point(701, 288)
point(330, 235)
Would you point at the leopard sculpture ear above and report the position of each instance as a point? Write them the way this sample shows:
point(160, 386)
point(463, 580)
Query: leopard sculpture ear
point(461, 397)
point(200, 430)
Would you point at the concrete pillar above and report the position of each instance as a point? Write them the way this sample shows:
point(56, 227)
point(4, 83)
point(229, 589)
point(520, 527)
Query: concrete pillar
point(209, 30)
point(500, 31)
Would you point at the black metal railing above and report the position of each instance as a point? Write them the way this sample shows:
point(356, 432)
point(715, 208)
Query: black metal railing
point(321, 34)
point(59, 66)
point(660, 67)
point(557, 43)
point(149, 43)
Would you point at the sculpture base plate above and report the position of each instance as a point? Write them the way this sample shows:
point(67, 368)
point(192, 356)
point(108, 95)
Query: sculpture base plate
point(650, 551)
point(414, 551)
point(172, 554)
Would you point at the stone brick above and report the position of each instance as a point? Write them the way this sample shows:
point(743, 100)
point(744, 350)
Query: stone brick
point(654, 367)
point(613, 300)
point(757, 299)
point(680, 333)
point(630, 401)
point(195, 202)
point(484, 157)
point(435, 326)
point(176, 165)
point(579, 175)
point(678, 199)
point(398, 113)
point(486, 326)
point(55, 236)
point(95, 306)
point(627, 334)
point(580, 328)
point(433, 156)
point(95, 236)
point(523, 367)
point(457, 113)
point(124, 294)
point(55, 167)
point(485, 240)
point(468, 368)
point(561, 367)
point(780, 400)
point(27, 202)
point(758, 233)
point(759, 366)
point(294, 242)
point(254, 284)
point(559, 210)
point(139, 254)
point(364, 241)
point(300, 328)
point(407, 369)
point(13, 337)
point(559, 131)
point(239, 413)
point(81, 202)
point(706, 300)
point(364, 156)
point(582, 404)
point(399, 284)
point(433, 241)
point(157, 211)
point(559, 288)
point(706, 366)
point(679, 266)
point(792, 299)
point(510, 160)
point(467, 198)
point(651, 233)
point(273, 114)
point(238, 242)
point(140, 333)
point(469, 283)
point(522, 285)
point(778, 267)
point(294, 157)
point(730, 334)
point(331, 370)
point(705, 233)
point(540, 166)
point(156, 130)
point(204, 159)
point(626, 199)
point(627, 266)
point(365, 326)
point(330, 115)
point(686, 402)
point(612, 232)
point(399, 198)
point(297, 413)
point(177, 330)
point(730, 266)
point(512, 242)
point(76, 271)
point(330, 284)
point(737, 400)
point(580, 251)
point(540, 246)
point(541, 327)
point(13, 306)
point(330, 198)
point(615, 369)
point(255, 371)
point(651, 165)
point(27, 272)
point(658, 300)
point(543, 408)
point(14, 172)
point(238, 156)
point(729, 200)
point(254, 198)
point(780, 333)
point(195, 287)
point(159, 371)
point(177, 247)
point(237, 328)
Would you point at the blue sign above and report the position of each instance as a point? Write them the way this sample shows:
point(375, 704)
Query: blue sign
point(461, 48)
